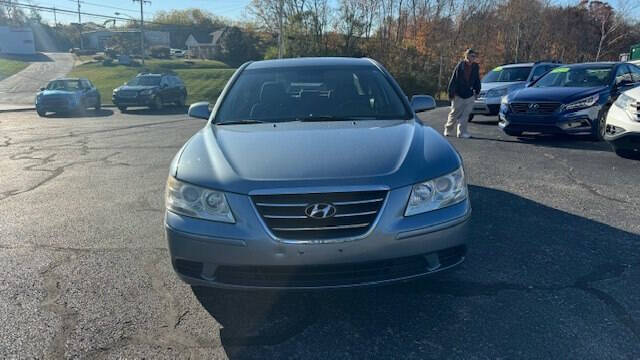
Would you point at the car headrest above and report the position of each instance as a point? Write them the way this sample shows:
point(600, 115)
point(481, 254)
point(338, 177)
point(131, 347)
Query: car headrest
point(272, 93)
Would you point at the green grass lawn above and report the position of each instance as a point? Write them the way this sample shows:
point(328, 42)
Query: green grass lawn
point(9, 67)
point(204, 79)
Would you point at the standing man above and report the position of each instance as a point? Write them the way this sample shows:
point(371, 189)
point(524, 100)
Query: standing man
point(464, 87)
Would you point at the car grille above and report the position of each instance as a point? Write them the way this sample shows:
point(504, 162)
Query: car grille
point(336, 274)
point(286, 215)
point(127, 93)
point(54, 101)
point(637, 106)
point(537, 108)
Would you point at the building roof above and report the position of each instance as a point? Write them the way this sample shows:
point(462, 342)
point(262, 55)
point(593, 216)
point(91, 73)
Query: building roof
point(311, 61)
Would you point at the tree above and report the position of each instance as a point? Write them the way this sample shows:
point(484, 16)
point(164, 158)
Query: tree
point(236, 47)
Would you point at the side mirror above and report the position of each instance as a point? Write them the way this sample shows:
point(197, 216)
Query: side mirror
point(200, 110)
point(420, 103)
point(42, 89)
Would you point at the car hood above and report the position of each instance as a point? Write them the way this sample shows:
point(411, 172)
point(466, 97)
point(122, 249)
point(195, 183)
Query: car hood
point(494, 85)
point(561, 94)
point(136, 87)
point(634, 93)
point(246, 158)
point(58, 92)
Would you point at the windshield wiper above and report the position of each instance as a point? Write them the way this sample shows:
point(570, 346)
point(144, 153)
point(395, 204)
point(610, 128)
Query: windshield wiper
point(235, 122)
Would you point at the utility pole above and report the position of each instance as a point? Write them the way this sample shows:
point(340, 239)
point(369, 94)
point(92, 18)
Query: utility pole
point(280, 28)
point(80, 25)
point(142, 2)
point(55, 19)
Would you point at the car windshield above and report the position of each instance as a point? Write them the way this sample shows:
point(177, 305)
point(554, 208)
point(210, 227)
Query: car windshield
point(576, 77)
point(304, 93)
point(67, 85)
point(145, 81)
point(507, 74)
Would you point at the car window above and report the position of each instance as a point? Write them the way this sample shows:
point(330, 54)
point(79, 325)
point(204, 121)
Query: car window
point(86, 84)
point(507, 74)
point(580, 76)
point(66, 85)
point(623, 74)
point(145, 81)
point(635, 73)
point(539, 71)
point(285, 94)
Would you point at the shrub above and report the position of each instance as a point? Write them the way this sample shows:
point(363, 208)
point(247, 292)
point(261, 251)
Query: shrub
point(98, 58)
point(107, 62)
point(161, 52)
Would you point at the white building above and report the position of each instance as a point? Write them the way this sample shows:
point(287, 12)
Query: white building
point(16, 40)
point(203, 46)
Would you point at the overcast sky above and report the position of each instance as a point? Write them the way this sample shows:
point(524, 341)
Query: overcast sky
point(232, 9)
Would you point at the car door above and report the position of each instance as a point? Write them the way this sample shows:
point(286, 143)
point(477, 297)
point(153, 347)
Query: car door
point(180, 88)
point(93, 92)
point(165, 89)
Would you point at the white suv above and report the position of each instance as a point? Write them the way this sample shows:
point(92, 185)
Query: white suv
point(623, 124)
point(504, 79)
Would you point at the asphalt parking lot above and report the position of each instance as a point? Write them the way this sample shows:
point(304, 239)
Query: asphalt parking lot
point(553, 269)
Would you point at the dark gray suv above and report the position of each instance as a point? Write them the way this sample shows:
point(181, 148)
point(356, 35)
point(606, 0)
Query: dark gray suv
point(314, 173)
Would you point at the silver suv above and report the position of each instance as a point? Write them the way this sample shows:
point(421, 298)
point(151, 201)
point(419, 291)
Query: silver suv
point(505, 79)
point(314, 173)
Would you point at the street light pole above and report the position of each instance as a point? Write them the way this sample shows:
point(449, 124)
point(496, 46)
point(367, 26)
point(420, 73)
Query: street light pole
point(80, 25)
point(142, 2)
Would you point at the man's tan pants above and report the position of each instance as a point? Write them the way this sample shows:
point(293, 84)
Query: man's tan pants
point(460, 111)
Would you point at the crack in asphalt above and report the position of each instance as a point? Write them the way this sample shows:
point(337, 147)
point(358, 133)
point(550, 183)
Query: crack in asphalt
point(72, 134)
point(53, 173)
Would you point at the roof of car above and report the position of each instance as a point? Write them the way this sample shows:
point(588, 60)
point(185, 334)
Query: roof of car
point(592, 64)
point(517, 65)
point(310, 61)
point(70, 79)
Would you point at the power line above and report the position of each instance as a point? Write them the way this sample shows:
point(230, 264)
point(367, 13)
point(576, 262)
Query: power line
point(106, 6)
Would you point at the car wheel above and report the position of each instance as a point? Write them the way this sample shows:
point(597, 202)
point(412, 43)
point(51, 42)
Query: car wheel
point(599, 128)
point(157, 103)
point(122, 108)
point(98, 105)
point(41, 112)
point(513, 133)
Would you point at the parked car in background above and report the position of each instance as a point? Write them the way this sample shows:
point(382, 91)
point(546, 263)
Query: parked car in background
point(623, 124)
point(504, 79)
point(68, 96)
point(571, 99)
point(288, 186)
point(152, 90)
point(179, 53)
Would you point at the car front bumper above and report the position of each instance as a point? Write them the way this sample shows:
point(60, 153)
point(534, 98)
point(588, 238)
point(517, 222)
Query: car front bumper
point(244, 255)
point(486, 106)
point(578, 122)
point(139, 100)
point(623, 131)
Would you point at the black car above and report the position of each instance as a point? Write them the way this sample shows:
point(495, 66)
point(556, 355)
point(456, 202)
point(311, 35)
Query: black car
point(69, 95)
point(571, 99)
point(152, 90)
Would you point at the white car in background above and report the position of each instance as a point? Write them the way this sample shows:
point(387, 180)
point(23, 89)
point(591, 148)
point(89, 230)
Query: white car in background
point(504, 79)
point(623, 124)
point(177, 53)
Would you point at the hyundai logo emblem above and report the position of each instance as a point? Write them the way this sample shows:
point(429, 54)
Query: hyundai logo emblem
point(534, 107)
point(320, 211)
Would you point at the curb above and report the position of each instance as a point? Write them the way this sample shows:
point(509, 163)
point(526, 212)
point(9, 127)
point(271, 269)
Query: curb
point(17, 110)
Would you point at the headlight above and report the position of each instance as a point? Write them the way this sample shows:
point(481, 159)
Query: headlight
point(197, 202)
point(583, 103)
point(146, 92)
point(437, 193)
point(116, 90)
point(505, 100)
point(628, 104)
point(493, 93)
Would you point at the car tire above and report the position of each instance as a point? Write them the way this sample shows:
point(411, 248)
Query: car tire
point(599, 128)
point(122, 108)
point(41, 112)
point(98, 105)
point(157, 103)
point(513, 133)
